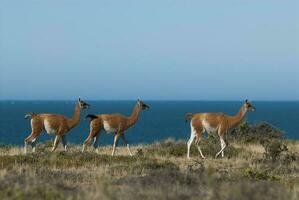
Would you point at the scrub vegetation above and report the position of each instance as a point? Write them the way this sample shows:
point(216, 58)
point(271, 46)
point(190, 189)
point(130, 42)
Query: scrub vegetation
point(258, 164)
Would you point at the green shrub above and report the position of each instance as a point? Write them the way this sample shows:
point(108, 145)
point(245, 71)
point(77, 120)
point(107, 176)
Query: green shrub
point(259, 175)
point(255, 133)
point(273, 149)
point(289, 157)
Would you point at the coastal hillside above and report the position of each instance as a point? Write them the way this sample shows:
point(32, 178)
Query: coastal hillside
point(258, 164)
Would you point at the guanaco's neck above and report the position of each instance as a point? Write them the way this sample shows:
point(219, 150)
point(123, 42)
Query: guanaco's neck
point(76, 117)
point(134, 116)
point(235, 120)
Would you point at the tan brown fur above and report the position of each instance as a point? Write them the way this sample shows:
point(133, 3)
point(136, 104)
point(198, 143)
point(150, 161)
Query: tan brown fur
point(55, 124)
point(113, 123)
point(214, 122)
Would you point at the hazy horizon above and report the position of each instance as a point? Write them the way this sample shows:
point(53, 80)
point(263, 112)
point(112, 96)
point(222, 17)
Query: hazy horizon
point(162, 50)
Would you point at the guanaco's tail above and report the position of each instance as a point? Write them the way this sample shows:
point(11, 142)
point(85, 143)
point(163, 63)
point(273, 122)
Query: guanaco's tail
point(92, 117)
point(29, 115)
point(188, 116)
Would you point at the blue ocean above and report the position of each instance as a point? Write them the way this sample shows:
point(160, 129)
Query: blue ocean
point(163, 120)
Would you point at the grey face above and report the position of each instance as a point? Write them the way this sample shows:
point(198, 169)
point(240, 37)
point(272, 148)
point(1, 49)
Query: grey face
point(83, 104)
point(249, 106)
point(143, 105)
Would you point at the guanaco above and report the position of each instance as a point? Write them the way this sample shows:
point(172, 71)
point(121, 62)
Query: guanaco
point(214, 123)
point(113, 123)
point(55, 124)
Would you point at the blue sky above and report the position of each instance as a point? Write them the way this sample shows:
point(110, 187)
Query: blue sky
point(165, 49)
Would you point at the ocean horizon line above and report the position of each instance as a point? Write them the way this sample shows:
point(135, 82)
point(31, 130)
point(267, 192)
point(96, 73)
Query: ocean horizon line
point(155, 100)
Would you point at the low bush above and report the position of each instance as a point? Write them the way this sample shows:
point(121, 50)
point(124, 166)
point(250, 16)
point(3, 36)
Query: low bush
point(259, 174)
point(247, 133)
point(273, 149)
point(289, 157)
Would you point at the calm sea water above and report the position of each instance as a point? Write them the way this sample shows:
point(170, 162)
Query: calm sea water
point(165, 118)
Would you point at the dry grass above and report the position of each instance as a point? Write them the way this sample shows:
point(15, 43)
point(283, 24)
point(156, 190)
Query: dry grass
point(156, 171)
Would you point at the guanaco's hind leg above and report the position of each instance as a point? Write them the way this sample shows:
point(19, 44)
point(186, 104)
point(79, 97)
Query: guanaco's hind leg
point(95, 127)
point(33, 143)
point(196, 133)
point(96, 141)
point(191, 139)
point(37, 128)
point(197, 141)
point(126, 143)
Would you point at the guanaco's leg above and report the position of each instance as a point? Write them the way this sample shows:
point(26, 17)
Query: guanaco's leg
point(96, 141)
point(116, 138)
point(33, 143)
point(222, 142)
point(95, 127)
point(223, 145)
point(64, 142)
point(126, 143)
point(197, 142)
point(191, 139)
point(37, 128)
point(56, 142)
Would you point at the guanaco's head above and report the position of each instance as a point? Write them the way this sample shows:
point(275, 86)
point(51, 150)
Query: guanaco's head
point(142, 105)
point(248, 106)
point(83, 104)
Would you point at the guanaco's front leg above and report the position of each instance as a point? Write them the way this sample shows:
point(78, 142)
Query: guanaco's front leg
point(56, 142)
point(126, 143)
point(116, 139)
point(64, 142)
point(223, 143)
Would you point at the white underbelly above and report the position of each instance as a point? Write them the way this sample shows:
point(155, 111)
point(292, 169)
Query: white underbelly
point(208, 127)
point(108, 128)
point(48, 128)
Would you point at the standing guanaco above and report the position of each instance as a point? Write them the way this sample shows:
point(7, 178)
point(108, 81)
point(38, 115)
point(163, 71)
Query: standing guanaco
point(55, 124)
point(212, 123)
point(113, 123)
